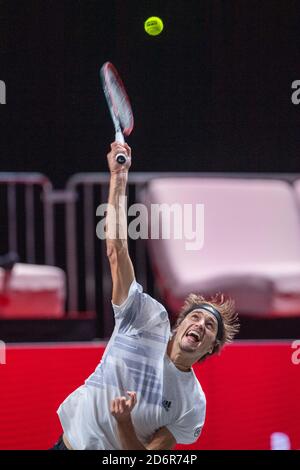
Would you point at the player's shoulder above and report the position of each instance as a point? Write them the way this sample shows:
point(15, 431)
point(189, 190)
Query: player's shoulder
point(153, 305)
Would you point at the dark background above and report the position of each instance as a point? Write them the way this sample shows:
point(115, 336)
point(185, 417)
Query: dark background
point(211, 93)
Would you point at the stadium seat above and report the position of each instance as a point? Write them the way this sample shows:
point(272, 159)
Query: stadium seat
point(32, 291)
point(251, 248)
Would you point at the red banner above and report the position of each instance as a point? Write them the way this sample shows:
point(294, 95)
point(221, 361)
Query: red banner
point(252, 393)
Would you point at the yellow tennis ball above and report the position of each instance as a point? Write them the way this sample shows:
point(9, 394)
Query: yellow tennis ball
point(153, 25)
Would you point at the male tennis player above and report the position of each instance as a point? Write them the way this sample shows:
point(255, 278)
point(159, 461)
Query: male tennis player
point(144, 393)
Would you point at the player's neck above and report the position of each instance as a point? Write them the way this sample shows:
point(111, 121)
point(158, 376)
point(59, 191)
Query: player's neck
point(177, 357)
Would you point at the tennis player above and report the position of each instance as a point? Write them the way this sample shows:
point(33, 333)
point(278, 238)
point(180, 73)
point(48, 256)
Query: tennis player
point(144, 393)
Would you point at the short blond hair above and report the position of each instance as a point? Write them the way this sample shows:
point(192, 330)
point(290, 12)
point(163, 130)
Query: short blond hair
point(225, 306)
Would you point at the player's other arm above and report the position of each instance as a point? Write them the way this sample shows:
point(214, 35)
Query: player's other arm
point(121, 409)
point(163, 439)
point(121, 267)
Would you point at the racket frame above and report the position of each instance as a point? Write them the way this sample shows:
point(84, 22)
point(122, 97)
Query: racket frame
point(107, 68)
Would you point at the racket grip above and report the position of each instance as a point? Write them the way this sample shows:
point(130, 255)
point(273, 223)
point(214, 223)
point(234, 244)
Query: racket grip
point(121, 158)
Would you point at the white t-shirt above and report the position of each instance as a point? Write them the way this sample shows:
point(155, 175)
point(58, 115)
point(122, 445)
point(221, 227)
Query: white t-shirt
point(135, 359)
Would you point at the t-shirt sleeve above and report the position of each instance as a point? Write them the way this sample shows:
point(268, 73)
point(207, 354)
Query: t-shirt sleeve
point(188, 427)
point(139, 310)
point(134, 290)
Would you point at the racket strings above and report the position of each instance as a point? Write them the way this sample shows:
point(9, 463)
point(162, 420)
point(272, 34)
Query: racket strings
point(120, 102)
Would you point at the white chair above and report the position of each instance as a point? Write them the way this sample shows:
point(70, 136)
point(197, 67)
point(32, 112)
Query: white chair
point(251, 247)
point(32, 291)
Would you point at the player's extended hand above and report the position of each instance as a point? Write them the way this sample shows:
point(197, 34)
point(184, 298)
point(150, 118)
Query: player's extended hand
point(114, 166)
point(121, 408)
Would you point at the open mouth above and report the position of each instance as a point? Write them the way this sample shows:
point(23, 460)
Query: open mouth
point(193, 336)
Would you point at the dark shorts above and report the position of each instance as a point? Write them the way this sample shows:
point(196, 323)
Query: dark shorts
point(59, 445)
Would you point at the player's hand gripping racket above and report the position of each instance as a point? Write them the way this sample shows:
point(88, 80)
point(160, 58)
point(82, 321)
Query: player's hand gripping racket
point(118, 104)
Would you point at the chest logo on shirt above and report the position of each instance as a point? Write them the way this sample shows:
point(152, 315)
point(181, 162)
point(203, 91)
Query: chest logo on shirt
point(166, 404)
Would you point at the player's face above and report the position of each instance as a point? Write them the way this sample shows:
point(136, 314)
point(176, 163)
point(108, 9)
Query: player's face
point(197, 333)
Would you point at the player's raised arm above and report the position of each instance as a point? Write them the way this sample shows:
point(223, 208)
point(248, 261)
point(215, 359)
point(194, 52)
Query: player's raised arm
point(116, 224)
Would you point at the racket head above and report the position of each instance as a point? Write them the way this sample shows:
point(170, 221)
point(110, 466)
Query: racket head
point(117, 98)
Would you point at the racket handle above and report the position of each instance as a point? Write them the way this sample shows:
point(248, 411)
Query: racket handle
point(120, 157)
point(119, 137)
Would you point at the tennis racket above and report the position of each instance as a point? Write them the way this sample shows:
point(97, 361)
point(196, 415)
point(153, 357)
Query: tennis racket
point(118, 104)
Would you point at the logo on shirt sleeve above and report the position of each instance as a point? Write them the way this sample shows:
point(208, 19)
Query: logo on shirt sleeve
point(197, 432)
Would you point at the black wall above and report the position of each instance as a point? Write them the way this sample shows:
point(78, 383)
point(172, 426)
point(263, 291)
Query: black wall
point(211, 93)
